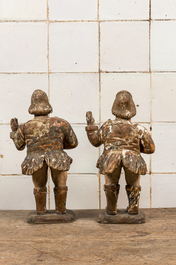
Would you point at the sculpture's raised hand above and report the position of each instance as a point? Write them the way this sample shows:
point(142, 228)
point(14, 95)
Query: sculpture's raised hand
point(90, 118)
point(14, 124)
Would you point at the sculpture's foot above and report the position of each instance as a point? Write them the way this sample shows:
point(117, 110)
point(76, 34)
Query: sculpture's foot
point(42, 212)
point(122, 217)
point(51, 217)
point(133, 210)
point(59, 212)
point(110, 212)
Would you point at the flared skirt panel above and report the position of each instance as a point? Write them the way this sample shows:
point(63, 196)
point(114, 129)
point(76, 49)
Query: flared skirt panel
point(109, 161)
point(55, 159)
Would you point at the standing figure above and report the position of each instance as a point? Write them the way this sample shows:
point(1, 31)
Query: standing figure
point(123, 141)
point(45, 139)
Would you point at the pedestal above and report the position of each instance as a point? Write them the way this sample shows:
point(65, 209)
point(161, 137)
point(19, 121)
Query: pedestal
point(122, 217)
point(51, 217)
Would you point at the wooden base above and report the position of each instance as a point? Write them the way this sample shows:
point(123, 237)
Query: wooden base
point(122, 217)
point(51, 217)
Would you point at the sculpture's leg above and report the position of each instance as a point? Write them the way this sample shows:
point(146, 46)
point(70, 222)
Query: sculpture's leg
point(60, 190)
point(133, 191)
point(40, 179)
point(111, 189)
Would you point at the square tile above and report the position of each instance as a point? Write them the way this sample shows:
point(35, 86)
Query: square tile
point(82, 192)
point(124, 46)
point(162, 9)
point(126, 9)
point(163, 190)
point(137, 84)
point(163, 160)
point(74, 47)
point(72, 9)
point(17, 193)
point(16, 92)
point(85, 155)
point(23, 10)
point(76, 94)
point(23, 47)
point(10, 158)
point(163, 97)
point(163, 41)
point(122, 202)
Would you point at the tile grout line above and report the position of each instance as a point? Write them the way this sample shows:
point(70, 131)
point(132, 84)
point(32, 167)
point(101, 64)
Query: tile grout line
point(150, 165)
point(84, 21)
point(48, 73)
point(99, 20)
point(99, 71)
point(102, 72)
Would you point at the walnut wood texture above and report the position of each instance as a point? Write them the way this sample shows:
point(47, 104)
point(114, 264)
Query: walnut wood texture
point(85, 241)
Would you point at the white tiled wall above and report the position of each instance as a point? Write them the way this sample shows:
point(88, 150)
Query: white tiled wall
point(163, 41)
point(123, 10)
point(82, 52)
point(70, 10)
point(73, 47)
point(23, 47)
point(124, 46)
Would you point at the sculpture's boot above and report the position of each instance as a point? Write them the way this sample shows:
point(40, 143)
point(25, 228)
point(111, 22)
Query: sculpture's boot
point(133, 198)
point(60, 199)
point(111, 192)
point(40, 199)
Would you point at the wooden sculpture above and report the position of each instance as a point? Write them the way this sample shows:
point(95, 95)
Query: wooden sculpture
point(45, 138)
point(123, 142)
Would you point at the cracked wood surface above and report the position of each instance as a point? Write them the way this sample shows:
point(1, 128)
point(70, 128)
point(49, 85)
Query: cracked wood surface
point(87, 242)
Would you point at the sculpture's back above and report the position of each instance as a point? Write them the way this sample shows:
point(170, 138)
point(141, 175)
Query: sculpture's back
point(45, 138)
point(123, 142)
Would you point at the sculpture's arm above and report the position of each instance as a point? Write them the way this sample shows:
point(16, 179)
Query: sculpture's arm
point(70, 140)
point(147, 145)
point(17, 134)
point(93, 133)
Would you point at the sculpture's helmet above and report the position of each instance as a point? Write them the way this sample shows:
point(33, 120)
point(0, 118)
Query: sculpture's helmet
point(40, 103)
point(124, 106)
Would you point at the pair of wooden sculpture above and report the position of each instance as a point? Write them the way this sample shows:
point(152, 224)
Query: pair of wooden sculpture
point(46, 137)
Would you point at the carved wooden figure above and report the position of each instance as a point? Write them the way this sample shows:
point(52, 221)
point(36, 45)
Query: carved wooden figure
point(45, 138)
point(123, 142)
